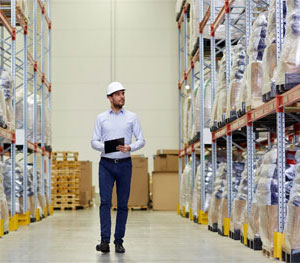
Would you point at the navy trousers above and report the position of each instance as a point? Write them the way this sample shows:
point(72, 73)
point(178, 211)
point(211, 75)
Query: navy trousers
point(110, 172)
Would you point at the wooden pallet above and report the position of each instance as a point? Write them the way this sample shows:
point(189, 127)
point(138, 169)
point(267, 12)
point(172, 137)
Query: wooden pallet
point(65, 156)
point(267, 252)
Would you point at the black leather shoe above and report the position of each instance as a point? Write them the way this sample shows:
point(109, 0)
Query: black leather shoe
point(103, 247)
point(119, 248)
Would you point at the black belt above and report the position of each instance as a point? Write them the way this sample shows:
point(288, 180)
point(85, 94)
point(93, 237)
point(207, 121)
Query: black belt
point(117, 160)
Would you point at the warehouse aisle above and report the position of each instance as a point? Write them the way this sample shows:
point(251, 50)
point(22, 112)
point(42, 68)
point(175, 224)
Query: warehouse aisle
point(71, 236)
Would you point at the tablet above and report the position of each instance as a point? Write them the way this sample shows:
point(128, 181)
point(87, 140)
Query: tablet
point(111, 145)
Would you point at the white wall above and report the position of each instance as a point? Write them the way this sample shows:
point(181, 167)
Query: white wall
point(142, 55)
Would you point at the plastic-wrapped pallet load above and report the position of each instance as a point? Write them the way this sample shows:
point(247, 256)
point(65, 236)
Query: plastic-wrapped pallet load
point(191, 122)
point(215, 200)
point(239, 207)
point(6, 111)
point(18, 184)
point(186, 188)
point(253, 218)
point(48, 121)
point(208, 186)
point(288, 69)
point(186, 106)
point(292, 227)
point(207, 103)
point(207, 107)
point(30, 118)
point(219, 106)
point(196, 205)
point(3, 203)
point(256, 48)
point(237, 73)
point(268, 196)
point(269, 57)
point(196, 124)
point(237, 169)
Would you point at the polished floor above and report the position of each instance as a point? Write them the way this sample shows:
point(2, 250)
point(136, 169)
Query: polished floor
point(71, 236)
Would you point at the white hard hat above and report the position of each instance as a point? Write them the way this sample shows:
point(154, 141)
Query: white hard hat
point(113, 87)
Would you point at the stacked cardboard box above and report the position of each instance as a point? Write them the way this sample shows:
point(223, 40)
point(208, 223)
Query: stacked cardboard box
point(85, 184)
point(139, 189)
point(165, 192)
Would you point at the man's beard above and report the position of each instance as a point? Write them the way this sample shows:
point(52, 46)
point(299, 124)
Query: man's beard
point(118, 106)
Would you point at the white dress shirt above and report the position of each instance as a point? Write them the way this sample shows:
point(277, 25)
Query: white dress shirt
point(110, 126)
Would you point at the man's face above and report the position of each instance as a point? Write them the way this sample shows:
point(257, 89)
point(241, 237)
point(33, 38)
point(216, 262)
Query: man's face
point(117, 99)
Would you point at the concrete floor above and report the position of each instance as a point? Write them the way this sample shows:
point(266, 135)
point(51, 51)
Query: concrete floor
point(71, 236)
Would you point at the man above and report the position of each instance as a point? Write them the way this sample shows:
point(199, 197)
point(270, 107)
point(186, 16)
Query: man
point(115, 166)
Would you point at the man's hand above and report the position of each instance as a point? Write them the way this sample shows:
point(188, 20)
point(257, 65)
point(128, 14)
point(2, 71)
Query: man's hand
point(123, 148)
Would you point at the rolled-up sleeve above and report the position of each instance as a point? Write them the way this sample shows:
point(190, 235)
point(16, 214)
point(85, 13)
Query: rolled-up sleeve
point(96, 142)
point(138, 134)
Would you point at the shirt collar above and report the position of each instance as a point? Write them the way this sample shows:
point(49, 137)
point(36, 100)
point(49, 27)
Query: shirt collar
point(112, 112)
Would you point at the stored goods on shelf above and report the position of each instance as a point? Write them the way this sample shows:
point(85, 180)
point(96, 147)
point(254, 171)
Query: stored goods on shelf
point(292, 227)
point(186, 187)
point(219, 106)
point(41, 201)
point(186, 107)
point(3, 203)
point(269, 58)
point(239, 207)
point(288, 68)
point(196, 197)
point(215, 201)
point(7, 116)
point(237, 169)
point(253, 218)
point(207, 107)
point(30, 109)
point(255, 51)
point(237, 73)
point(268, 195)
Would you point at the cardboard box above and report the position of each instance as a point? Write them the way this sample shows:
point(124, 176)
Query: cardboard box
point(85, 186)
point(165, 195)
point(165, 163)
point(139, 189)
point(164, 151)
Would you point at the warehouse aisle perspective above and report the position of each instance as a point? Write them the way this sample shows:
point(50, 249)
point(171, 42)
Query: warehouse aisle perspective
point(71, 236)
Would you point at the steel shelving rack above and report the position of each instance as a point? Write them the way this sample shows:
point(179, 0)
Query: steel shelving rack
point(268, 117)
point(30, 74)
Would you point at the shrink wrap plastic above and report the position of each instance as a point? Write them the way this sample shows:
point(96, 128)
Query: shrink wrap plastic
point(219, 106)
point(268, 194)
point(191, 121)
point(3, 203)
point(289, 62)
point(6, 110)
point(237, 73)
point(207, 106)
point(269, 57)
point(30, 105)
point(255, 51)
point(292, 227)
point(186, 187)
point(237, 169)
point(197, 188)
point(48, 121)
point(253, 218)
point(217, 194)
point(186, 107)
